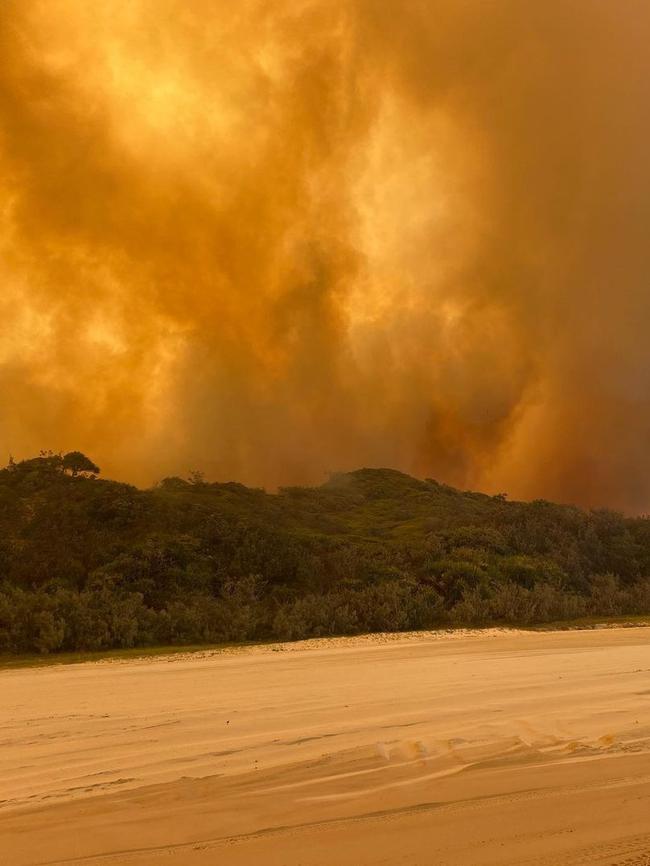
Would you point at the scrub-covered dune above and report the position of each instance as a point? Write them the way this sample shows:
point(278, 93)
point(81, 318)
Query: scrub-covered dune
point(92, 564)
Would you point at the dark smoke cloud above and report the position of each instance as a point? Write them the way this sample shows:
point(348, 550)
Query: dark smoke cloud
point(276, 239)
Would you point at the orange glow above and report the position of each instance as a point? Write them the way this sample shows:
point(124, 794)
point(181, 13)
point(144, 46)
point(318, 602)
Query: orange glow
point(273, 240)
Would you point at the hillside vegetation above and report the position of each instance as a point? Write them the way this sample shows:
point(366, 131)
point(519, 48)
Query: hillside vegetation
point(90, 564)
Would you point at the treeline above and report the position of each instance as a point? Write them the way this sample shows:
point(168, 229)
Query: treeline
point(88, 564)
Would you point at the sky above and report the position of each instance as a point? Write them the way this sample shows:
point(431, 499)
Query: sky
point(272, 240)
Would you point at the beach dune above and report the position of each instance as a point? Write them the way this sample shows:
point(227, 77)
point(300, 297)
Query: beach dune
point(454, 749)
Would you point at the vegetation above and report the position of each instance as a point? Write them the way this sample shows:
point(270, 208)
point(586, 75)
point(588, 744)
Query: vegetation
point(94, 565)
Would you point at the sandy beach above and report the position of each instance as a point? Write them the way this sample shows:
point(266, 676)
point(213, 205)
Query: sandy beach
point(463, 749)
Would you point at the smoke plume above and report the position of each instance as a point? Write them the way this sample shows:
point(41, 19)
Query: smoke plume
point(274, 239)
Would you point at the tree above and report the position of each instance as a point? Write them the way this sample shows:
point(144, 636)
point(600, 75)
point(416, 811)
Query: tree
point(77, 463)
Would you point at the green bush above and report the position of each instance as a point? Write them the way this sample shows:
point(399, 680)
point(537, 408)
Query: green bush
point(89, 564)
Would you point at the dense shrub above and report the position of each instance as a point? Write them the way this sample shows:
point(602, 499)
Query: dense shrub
point(87, 564)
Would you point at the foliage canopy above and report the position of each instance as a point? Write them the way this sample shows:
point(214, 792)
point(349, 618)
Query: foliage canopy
point(95, 564)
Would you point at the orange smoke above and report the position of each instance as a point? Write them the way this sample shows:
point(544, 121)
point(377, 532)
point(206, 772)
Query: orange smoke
point(270, 240)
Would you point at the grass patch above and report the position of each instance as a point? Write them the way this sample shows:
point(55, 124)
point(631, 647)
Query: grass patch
point(8, 662)
point(587, 622)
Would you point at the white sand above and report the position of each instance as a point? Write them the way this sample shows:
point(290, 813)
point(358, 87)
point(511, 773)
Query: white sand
point(447, 749)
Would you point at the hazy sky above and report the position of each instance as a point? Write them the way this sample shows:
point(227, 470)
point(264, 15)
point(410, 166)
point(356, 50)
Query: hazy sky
point(274, 239)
